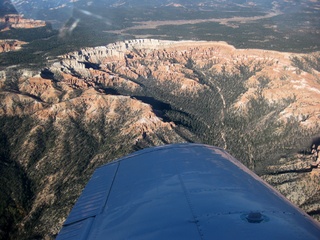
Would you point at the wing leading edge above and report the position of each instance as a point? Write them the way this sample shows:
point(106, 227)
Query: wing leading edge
point(183, 191)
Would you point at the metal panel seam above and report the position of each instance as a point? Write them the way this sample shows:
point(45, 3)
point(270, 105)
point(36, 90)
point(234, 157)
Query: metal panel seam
point(195, 220)
point(114, 178)
point(104, 205)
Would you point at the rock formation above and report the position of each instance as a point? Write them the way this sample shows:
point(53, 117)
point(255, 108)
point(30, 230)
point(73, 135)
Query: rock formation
point(17, 21)
point(296, 180)
point(165, 61)
point(98, 104)
point(10, 45)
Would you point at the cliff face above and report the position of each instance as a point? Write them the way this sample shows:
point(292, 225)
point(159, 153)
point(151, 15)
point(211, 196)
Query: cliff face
point(17, 21)
point(277, 76)
point(65, 130)
point(10, 45)
point(101, 103)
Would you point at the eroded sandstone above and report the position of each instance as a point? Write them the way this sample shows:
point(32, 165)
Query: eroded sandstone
point(70, 121)
point(17, 21)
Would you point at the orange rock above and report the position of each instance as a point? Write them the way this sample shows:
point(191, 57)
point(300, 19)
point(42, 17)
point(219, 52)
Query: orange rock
point(17, 21)
point(10, 45)
point(120, 64)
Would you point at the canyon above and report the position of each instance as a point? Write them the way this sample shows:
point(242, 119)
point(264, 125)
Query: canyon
point(149, 58)
point(97, 104)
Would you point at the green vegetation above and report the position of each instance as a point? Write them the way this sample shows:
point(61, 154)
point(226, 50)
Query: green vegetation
point(307, 63)
point(147, 12)
point(58, 155)
point(91, 29)
point(259, 34)
point(256, 136)
point(62, 154)
point(15, 187)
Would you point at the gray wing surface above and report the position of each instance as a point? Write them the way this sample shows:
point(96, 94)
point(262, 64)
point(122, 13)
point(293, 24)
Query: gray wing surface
point(183, 191)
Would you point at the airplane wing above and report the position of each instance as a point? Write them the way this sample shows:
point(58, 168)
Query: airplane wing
point(183, 191)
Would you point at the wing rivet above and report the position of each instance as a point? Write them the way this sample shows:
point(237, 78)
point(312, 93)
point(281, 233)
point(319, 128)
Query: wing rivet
point(255, 217)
